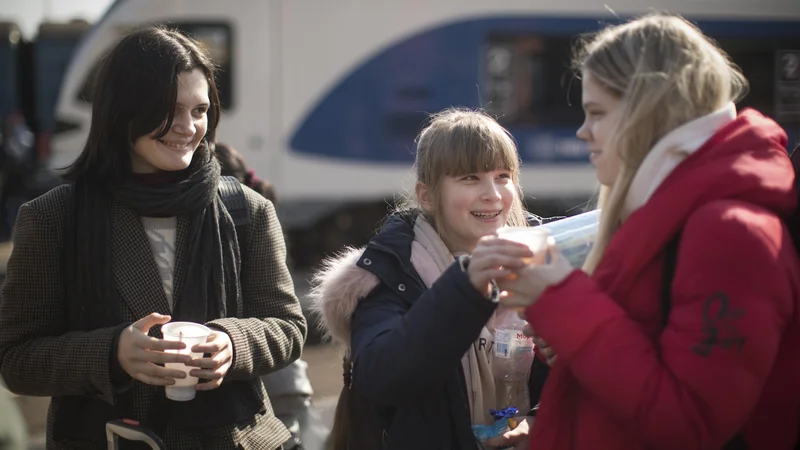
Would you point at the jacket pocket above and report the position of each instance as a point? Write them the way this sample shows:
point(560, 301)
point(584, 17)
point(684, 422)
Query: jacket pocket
point(262, 431)
point(83, 418)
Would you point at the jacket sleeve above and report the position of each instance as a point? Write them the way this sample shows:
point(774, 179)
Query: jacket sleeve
point(38, 355)
point(695, 386)
point(271, 334)
point(402, 354)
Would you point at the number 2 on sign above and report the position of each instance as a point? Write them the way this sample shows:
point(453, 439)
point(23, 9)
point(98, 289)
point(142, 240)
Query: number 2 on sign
point(791, 66)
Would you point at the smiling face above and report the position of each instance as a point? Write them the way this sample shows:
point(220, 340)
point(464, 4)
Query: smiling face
point(174, 150)
point(602, 111)
point(470, 206)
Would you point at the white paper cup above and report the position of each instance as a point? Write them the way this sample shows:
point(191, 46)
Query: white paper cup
point(534, 238)
point(191, 334)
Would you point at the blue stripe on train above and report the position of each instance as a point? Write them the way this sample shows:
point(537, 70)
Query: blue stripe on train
point(373, 114)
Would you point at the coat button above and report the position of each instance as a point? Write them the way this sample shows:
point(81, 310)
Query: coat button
point(367, 262)
point(401, 288)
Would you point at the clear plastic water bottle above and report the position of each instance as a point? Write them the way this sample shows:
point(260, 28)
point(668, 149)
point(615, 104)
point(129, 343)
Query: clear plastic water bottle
point(511, 364)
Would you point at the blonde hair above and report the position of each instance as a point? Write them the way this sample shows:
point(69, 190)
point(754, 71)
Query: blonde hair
point(666, 73)
point(460, 141)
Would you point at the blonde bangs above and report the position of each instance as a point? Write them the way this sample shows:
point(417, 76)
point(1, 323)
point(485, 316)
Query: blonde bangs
point(466, 143)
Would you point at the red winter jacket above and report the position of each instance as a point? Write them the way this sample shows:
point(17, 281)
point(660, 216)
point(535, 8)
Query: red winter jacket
point(728, 360)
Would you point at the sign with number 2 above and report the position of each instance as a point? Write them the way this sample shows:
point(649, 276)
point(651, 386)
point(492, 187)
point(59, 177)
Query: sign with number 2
point(787, 84)
point(790, 66)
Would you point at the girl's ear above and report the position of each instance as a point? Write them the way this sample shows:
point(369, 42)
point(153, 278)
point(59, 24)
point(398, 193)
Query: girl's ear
point(425, 197)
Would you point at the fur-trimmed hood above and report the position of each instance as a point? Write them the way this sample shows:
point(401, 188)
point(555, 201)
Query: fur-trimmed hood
point(336, 289)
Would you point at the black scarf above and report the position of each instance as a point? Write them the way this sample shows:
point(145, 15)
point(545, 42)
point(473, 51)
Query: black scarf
point(209, 285)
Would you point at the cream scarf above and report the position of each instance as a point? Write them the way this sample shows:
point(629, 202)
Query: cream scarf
point(670, 151)
point(430, 257)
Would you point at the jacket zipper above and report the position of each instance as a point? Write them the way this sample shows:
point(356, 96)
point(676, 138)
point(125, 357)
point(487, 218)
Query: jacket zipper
point(416, 279)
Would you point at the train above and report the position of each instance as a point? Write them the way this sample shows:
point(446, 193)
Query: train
point(325, 99)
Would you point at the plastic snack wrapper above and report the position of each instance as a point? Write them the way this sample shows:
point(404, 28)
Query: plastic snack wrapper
point(503, 421)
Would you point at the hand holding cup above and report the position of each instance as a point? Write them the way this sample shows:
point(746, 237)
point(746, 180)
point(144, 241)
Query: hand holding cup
point(532, 279)
point(215, 367)
point(140, 355)
point(495, 258)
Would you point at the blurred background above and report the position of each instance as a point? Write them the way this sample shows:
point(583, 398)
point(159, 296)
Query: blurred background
point(323, 99)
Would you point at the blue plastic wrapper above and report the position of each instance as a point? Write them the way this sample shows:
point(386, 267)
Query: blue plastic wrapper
point(503, 413)
point(499, 427)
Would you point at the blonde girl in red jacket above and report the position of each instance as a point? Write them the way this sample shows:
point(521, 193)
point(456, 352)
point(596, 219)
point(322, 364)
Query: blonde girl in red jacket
point(719, 367)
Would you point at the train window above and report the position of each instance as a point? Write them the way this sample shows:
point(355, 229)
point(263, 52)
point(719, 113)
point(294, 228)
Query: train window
point(527, 80)
point(757, 60)
point(218, 40)
point(404, 124)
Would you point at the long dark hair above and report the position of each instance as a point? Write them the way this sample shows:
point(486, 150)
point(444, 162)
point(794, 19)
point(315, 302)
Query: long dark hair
point(134, 94)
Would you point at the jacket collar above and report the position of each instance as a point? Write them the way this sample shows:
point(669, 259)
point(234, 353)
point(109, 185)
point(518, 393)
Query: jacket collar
point(345, 279)
point(396, 235)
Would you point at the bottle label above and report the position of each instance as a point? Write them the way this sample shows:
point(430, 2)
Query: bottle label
point(502, 343)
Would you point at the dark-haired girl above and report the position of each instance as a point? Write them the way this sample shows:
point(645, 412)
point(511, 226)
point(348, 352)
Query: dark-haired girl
point(140, 237)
